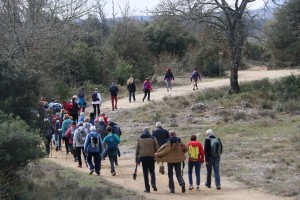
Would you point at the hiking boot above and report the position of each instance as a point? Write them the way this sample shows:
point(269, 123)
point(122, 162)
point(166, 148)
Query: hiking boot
point(116, 163)
point(208, 186)
point(194, 89)
point(172, 191)
point(98, 173)
point(113, 174)
point(91, 172)
point(191, 187)
point(80, 166)
point(218, 187)
point(147, 191)
point(56, 149)
point(198, 188)
point(183, 188)
point(197, 88)
point(154, 188)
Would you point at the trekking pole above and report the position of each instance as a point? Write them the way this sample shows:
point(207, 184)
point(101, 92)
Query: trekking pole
point(135, 172)
point(51, 147)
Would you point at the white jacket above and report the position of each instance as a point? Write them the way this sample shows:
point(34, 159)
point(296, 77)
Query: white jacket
point(99, 97)
point(76, 142)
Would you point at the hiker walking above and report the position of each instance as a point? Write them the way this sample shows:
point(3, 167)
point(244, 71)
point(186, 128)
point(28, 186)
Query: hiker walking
point(102, 114)
point(93, 149)
point(78, 142)
point(160, 134)
point(173, 152)
point(101, 127)
point(147, 87)
point(213, 149)
point(145, 149)
point(57, 125)
point(81, 100)
point(195, 77)
point(131, 89)
point(96, 101)
point(65, 125)
point(113, 89)
point(110, 144)
point(115, 130)
point(70, 135)
point(168, 78)
point(74, 108)
point(196, 159)
point(47, 132)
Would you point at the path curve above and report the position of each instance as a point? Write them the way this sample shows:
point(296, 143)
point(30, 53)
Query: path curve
point(230, 189)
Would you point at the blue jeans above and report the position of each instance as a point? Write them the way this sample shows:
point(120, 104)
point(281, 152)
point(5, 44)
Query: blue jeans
point(177, 167)
point(191, 165)
point(213, 163)
point(97, 161)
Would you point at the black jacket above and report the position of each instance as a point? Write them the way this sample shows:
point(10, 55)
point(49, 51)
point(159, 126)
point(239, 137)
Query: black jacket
point(207, 147)
point(161, 136)
point(131, 87)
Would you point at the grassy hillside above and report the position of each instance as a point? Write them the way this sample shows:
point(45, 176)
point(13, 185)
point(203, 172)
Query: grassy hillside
point(259, 129)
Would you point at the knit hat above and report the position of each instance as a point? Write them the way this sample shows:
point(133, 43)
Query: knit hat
point(209, 132)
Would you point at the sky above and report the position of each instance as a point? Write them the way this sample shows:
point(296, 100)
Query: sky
point(138, 6)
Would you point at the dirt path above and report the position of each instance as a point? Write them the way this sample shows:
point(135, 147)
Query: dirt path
point(230, 189)
point(158, 93)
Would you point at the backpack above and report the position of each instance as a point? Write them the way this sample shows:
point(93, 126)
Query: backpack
point(146, 86)
point(57, 124)
point(194, 153)
point(74, 109)
point(95, 96)
point(81, 137)
point(87, 126)
point(215, 147)
point(116, 130)
point(56, 107)
point(73, 129)
point(111, 144)
point(94, 140)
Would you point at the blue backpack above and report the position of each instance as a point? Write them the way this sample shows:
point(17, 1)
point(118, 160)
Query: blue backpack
point(111, 143)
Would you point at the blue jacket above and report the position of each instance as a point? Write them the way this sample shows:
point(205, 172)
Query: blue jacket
point(65, 125)
point(88, 145)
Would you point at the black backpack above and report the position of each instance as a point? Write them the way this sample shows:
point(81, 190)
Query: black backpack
point(95, 96)
point(74, 109)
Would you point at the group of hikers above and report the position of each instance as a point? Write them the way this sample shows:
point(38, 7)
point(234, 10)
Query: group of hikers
point(164, 146)
point(86, 137)
point(91, 139)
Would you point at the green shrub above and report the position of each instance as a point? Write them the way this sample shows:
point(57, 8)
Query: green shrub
point(123, 71)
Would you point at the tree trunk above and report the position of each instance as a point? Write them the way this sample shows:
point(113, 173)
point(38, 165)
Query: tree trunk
point(234, 84)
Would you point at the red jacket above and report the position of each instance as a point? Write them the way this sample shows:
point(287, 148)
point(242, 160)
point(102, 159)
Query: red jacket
point(147, 85)
point(68, 133)
point(201, 151)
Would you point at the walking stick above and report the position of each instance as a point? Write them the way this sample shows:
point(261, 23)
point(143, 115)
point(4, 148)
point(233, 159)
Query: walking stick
point(135, 172)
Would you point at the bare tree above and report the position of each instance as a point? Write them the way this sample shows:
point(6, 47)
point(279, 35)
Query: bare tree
point(100, 6)
point(219, 14)
point(35, 32)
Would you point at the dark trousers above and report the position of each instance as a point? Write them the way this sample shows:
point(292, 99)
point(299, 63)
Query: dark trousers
point(98, 109)
point(149, 166)
point(133, 96)
point(191, 165)
point(47, 145)
point(146, 93)
point(112, 160)
point(78, 152)
point(66, 143)
point(97, 161)
point(73, 151)
point(177, 167)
